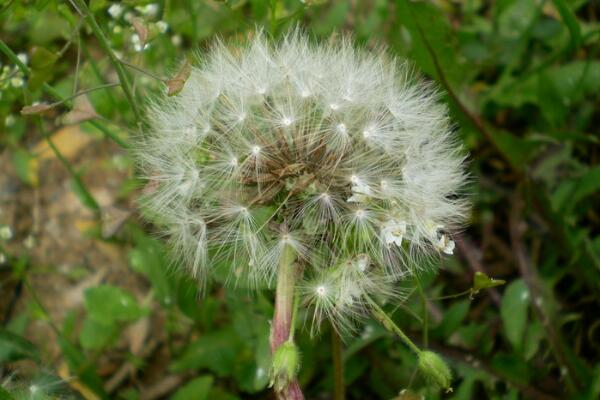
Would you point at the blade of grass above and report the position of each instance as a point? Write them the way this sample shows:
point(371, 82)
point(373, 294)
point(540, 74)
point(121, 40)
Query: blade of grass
point(102, 39)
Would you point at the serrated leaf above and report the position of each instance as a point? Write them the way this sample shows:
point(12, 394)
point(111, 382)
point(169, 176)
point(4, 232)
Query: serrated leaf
point(513, 310)
point(176, 84)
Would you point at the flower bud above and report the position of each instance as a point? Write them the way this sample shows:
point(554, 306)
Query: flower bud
point(286, 363)
point(435, 370)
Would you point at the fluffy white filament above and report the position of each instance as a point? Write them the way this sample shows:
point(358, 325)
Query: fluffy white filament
point(340, 153)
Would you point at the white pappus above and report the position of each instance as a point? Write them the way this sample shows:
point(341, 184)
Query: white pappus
point(340, 153)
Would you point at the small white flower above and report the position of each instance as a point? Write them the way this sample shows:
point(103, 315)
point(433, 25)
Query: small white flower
point(393, 232)
point(23, 58)
point(6, 232)
point(360, 191)
point(149, 10)
point(17, 82)
point(116, 10)
point(137, 43)
point(446, 245)
point(176, 40)
point(162, 26)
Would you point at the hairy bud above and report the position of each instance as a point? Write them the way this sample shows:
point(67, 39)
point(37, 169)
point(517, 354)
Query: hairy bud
point(286, 363)
point(434, 370)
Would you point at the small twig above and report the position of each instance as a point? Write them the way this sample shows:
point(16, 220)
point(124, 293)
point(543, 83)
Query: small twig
point(77, 65)
point(141, 70)
point(93, 203)
point(81, 93)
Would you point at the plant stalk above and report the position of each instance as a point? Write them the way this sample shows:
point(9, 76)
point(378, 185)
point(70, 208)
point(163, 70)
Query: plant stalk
point(338, 366)
point(390, 325)
point(103, 41)
point(284, 314)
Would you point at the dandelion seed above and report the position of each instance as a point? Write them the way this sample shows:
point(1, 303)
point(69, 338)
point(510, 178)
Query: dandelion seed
point(321, 290)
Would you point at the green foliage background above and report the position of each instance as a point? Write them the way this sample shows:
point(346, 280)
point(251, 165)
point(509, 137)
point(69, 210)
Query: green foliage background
point(521, 78)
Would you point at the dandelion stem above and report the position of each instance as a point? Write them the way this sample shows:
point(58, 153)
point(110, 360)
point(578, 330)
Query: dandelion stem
point(390, 325)
point(338, 366)
point(294, 316)
point(284, 318)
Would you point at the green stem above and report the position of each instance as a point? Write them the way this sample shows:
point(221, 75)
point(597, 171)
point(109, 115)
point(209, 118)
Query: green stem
point(338, 366)
point(425, 313)
point(294, 316)
point(113, 58)
point(390, 325)
point(90, 200)
point(13, 57)
point(284, 317)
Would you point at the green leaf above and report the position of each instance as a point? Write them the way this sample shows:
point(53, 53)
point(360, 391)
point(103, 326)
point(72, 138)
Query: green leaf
point(453, 317)
point(513, 309)
point(110, 304)
point(42, 58)
point(512, 367)
point(197, 389)
point(516, 149)
point(215, 351)
point(571, 22)
point(97, 335)
point(4, 395)
point(25, 165)
point(533, 337)
point(14, 347)
point(79, 364)
point(482, 281)
point(83, 194)
point(149, 259)
point(516, 18)
point(572, 191)
point(417, 16)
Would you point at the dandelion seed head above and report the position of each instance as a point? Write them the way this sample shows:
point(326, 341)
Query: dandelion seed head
point(341, 154)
